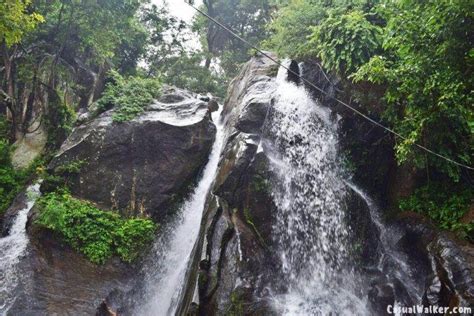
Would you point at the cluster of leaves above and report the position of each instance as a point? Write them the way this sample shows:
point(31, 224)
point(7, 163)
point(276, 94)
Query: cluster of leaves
point(427, 66)
point(344, 42)
point(246, 17)
point(16, 21)
point(185, 71)
point(96, 233)
point(128, 95)
point(291, 28)
point(444, 206)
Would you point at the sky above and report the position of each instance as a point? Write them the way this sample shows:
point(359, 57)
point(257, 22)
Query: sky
point(179, 8)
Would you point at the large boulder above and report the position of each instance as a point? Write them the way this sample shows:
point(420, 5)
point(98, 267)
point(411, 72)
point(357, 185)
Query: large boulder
point(446, 262)
point(144, 165)
point(56, 280)
point(139, 167)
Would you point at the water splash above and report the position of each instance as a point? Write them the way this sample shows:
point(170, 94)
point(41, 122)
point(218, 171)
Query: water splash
point(171, 253)
point(309, 193)
point(12, 248)
point(392, 262)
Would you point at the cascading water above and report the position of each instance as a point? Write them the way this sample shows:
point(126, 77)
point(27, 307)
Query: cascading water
point(12, 247)
point(309, 193)
point(167, 266)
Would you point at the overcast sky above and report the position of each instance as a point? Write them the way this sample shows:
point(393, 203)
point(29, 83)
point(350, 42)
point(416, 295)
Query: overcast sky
point(179, 8)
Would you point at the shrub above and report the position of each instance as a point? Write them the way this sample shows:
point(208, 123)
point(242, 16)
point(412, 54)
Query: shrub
point(128, 95)
point(290, 28)
point(444, 206)
point(344, 42)
point(11, 180)
point(96, 233)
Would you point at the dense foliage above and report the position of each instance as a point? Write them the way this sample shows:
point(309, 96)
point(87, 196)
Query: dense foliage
point(96, 233)
point(11, 181)
point(445, 206)
point(427, 67)
point(128, 95)
point(246, 17)
point(344, 42)
point(15, 21)
point(420, 55)
point(186, 71)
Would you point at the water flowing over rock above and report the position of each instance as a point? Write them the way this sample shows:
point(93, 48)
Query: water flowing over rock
point(288, 232)
point(266, 218)
point(143, 165)
point(12, 248)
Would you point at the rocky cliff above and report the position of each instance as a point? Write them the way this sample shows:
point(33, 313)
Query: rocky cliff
point(138, 168)
point(238, 259)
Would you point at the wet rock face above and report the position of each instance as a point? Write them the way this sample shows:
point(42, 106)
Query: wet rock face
point(143, 165)
point(56, 280)
point(238, 222)
point(446, 265)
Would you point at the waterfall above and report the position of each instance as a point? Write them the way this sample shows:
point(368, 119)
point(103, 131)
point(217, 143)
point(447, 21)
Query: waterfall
point(167, 266)
point(392, 263)
point(12, 248)
point(309, 193)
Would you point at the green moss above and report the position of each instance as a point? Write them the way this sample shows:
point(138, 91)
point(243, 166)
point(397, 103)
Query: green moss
point(72, 167)
point(260, 184)
point(236, 307)
point(96, 233)
point(249, 220)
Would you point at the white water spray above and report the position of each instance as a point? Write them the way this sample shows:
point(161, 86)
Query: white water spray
point(12, 248)
point(172, 251)
point(309, 193)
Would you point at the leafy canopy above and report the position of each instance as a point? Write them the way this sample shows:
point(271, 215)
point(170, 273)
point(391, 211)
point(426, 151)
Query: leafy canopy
point(16, 21)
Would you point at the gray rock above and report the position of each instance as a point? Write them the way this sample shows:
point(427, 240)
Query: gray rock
point(59, 281)
point(141, 166)
point(237, 234)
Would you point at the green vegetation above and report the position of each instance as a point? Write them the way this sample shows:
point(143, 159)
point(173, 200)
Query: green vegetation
point(236, 306)
point(96, 233)
point(187, 72)
point(249, 23)
point(344, 42)
point(445, 206)
point(11, 181)
point(16, 21)
point(129, 95)
point(417, 57)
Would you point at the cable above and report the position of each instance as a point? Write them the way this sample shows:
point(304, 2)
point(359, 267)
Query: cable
point(324, 92)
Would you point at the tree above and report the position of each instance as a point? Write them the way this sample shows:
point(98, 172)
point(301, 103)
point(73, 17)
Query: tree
point(427, 67)
point(62, 64)
point(247, 18)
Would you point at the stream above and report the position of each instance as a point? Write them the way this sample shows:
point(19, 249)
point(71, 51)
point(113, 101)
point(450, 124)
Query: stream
point(166, 268)
point(12, 248)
